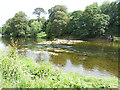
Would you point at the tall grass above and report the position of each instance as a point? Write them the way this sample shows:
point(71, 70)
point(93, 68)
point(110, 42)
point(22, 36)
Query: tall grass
point(17, 71)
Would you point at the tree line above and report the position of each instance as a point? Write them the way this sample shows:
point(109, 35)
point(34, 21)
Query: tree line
point(95, 21)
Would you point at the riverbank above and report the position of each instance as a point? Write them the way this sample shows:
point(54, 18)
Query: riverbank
point(101, 39)
point(17, 71)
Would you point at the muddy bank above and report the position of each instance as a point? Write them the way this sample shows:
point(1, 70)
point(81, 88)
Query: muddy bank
point(61, 41)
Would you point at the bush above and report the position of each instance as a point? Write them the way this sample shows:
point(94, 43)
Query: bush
point(42, 34)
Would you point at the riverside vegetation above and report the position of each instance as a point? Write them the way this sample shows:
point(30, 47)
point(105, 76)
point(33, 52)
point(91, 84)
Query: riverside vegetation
point(18, 71)
point(96, 21)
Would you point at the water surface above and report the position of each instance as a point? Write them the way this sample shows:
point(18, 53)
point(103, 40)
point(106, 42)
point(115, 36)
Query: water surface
point(99, 59)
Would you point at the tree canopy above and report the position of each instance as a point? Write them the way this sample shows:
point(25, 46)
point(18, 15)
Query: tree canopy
point(38, 11)
point(57, 20)
point(95, 21)
point(16, 26)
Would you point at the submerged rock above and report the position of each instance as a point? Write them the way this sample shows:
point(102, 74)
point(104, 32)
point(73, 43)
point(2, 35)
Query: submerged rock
point(44, 52)
point(61, 41)
point(83, 59)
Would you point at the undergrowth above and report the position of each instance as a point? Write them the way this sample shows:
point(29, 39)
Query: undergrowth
point(17, 71)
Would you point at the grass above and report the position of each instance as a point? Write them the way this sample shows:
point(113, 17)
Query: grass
point(17, 71)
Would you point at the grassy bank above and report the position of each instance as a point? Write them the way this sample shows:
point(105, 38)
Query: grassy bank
point(17, 71)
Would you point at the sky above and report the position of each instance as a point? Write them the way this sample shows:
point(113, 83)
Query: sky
point(8, 8)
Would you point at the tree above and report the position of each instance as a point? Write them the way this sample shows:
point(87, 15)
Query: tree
point(59, 23)
point(38, 12)
point(111, 9)
point(100, 23)
point(16, 26)
point(19, 24)
point(6, 30)
point(56, 8)
point(35, 28)
point(30, 21)
point(105, 7)
point(118, 15)
point(43, 20)
point(75, 18)
point(91, 10)
point(88, 23)
point(58, 20)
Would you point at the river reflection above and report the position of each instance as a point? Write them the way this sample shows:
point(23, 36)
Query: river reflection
point(2, 46)
point(99, 59)
point(91, 65)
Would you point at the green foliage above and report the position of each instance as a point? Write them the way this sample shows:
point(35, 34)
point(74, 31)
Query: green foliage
point(100, 23)
point(57, 21)
point(16, 26)
point(118, 17)
point(30, 21)
point(81, 24)
point(43, 20)
point(49, 31)
point(38, 11)
point(91, 10)
point(88, 23)
point(75, 24)
point(41, 34)
point(19, 26)
point(112, 9)
point(94, 21)
point(17, 71)
point(35, 28)
point(6, 30)
point(56, 8)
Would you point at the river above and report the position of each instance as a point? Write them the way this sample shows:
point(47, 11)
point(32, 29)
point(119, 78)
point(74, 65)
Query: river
point(99, 59)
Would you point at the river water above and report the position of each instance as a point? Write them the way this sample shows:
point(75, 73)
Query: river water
point(99, 59)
